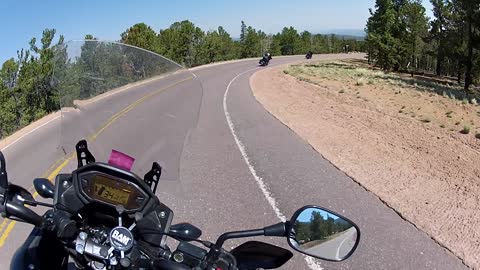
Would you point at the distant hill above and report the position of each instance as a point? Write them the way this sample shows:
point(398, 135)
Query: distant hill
point(356, 34)
point(350, 37)
point(345, 32)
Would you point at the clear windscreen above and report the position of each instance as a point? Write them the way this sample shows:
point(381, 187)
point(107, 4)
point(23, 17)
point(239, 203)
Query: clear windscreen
point(123, 98)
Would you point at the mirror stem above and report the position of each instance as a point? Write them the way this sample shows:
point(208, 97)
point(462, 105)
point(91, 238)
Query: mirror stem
point(279, 229)
point(240, 234)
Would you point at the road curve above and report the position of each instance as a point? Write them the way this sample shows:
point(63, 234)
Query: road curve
point(337, 247)
point(245, 170)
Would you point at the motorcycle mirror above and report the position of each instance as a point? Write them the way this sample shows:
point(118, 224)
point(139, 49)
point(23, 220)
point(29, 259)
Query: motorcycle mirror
point(185, 231)
point(44, 188)
point(323, 234)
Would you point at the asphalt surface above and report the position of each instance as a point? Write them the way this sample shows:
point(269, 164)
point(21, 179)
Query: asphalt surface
point(219, 190)
point(336, 248)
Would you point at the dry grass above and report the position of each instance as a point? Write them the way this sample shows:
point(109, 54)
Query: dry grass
point(362, 74)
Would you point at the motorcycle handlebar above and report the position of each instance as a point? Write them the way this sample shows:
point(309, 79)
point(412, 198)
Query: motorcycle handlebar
point(24, 213)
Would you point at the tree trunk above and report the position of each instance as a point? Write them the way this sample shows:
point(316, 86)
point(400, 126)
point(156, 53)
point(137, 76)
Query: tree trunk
point(413, 67)
point(469, 62)
point(459, 72)
point(18, 112)
point(413, 57)
point(439, 67)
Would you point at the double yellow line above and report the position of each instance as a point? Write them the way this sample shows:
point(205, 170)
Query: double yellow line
point(10, 224)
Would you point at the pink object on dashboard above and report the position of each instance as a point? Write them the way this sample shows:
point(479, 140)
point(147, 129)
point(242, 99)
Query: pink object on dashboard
point(121, 160)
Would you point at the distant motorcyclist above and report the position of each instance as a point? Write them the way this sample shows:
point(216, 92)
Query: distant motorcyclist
point(268, 56)
point(309, 55)
point(265, 59)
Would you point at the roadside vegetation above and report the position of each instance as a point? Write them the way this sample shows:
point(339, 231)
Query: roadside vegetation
point(400, 37)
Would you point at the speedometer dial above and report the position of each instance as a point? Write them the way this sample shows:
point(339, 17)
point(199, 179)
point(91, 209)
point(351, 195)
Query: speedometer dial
point(109, 190)
point(112, 191)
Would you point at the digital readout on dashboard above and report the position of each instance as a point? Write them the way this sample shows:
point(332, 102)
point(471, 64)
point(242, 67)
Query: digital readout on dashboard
point(111, 191)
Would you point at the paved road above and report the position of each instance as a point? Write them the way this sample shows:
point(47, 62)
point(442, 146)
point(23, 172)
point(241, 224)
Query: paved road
point(258, 175)
point(336, 248)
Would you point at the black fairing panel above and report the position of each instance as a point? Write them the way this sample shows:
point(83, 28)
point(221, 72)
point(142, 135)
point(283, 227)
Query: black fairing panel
point(254, 254)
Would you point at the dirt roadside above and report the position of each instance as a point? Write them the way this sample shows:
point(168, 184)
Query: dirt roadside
point(426, 172)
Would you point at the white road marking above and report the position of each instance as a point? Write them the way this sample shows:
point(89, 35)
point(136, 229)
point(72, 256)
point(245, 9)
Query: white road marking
point(241, 147)
point(343, 242)
point(337, 256)
point(31, 131)
point(314, 265)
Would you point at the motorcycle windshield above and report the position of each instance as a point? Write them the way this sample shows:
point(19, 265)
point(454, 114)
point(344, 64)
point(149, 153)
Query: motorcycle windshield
point(121, 98)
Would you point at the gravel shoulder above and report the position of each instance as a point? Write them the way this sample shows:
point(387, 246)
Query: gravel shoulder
point(397, 140)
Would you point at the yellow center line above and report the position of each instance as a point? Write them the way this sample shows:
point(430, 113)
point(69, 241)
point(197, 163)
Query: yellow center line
point(6, 233)
point(4, 222)
point(109, 122)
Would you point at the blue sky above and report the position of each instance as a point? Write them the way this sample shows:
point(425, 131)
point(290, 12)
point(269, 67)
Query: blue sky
point(307, 214)
point(21, 20)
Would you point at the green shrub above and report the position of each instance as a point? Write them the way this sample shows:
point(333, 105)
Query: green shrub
point(465, 130)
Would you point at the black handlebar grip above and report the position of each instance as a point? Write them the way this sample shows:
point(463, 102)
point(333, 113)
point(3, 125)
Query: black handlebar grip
point(24, 213)
point(163, 264)
point(65, 226)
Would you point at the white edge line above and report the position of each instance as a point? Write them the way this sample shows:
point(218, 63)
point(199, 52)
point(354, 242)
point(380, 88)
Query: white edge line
point(337, 256)
point(31, 131)
point(312, 264)
point(341, 244)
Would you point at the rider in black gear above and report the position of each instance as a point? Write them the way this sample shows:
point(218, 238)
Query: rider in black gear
point(265, 59)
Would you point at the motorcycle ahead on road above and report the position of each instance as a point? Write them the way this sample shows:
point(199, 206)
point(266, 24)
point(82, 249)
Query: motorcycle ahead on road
point(103, 216)
point(265, 60)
